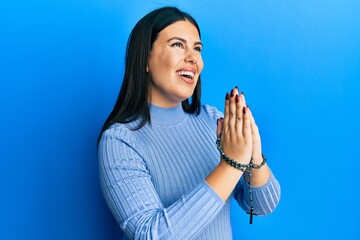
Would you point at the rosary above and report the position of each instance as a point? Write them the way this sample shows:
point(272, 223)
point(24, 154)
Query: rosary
point(245, 168)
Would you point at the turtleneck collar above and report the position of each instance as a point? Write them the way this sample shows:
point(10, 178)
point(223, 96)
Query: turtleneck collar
point(166, 116)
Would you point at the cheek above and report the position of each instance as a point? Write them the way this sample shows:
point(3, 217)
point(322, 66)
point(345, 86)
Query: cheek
point(200, 65)
point(161, 74)
point(163, 63)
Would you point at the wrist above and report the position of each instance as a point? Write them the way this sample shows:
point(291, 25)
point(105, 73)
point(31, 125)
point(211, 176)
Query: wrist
point(230, 170)
point(257, 163)
point(257, 159)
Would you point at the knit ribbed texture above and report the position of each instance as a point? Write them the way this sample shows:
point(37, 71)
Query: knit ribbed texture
point(153, 178)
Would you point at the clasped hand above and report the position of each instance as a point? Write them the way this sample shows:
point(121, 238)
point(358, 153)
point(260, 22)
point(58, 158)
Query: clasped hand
point(240, 136)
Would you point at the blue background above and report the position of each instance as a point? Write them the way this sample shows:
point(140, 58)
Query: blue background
point(61, 65)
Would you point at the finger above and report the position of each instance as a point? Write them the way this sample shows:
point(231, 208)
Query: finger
point(239, 114)
point(254, 127)
point(253, 124)
point(226, 113)
point(232, 111)
point(256, 140)
point(247, 124)
point(242, 97)
point(219, 126)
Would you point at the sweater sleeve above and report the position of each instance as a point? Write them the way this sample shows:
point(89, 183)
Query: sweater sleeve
point(131, 196)
point(265, 198)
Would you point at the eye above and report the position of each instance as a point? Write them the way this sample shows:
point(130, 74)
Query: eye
point(198, 49)
point(177, 44)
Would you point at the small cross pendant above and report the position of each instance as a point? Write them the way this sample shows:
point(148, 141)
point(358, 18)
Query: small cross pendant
point(252, 213)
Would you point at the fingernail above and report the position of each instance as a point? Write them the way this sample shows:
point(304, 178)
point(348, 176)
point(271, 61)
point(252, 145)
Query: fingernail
point(227, 96)
point(248, 107)
point(237, 98)
point(244, 110)
point(236, 87)
point(232, 93)
point(242, 93)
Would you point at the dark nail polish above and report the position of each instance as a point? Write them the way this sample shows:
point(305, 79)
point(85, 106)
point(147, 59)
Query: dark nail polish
point(237, 98)
point(244, 110)
point(236, 87)
point(227, 96)
point(242, 93)
point(232, 93)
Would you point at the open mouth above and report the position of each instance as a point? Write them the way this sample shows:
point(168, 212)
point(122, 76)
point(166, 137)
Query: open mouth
point(186, 74)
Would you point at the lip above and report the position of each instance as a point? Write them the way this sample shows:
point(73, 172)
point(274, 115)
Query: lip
point(185, 79)
point(193, 70)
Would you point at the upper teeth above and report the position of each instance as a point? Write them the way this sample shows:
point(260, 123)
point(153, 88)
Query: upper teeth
point(187, 73)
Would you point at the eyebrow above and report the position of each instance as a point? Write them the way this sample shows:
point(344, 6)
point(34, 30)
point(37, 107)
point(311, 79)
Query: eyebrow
point(183, 40)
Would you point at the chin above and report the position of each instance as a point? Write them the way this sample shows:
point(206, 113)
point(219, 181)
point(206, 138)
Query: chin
point(186, 97)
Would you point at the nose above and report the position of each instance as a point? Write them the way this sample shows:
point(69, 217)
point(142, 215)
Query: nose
point(191, 58)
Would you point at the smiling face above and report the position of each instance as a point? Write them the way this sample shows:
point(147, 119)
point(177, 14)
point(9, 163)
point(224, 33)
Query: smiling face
point(175, 64)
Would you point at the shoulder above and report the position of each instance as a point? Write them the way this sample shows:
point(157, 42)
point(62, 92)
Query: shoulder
point(211, 112)
point(119, 133)
point(209, 115)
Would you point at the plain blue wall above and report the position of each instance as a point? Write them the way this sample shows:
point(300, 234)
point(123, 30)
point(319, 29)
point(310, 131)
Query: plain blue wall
point(61, 64)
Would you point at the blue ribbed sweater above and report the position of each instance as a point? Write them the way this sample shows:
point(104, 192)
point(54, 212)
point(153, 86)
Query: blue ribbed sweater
point(153, 178)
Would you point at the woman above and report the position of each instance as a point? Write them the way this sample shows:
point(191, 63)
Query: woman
point(162, 174)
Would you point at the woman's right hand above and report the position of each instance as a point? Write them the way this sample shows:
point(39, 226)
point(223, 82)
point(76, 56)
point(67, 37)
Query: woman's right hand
point(236, 141)
point(235, 128)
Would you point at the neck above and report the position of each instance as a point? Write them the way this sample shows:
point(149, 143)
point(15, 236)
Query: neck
point(166, 116)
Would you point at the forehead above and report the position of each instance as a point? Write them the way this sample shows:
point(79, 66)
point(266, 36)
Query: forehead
point(184, 29)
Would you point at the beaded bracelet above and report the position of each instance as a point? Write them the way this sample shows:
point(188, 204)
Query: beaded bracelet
point(240, 166)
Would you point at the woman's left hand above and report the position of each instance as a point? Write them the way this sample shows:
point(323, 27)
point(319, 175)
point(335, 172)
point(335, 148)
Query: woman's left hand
point(260, 176)
point(256, 151)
